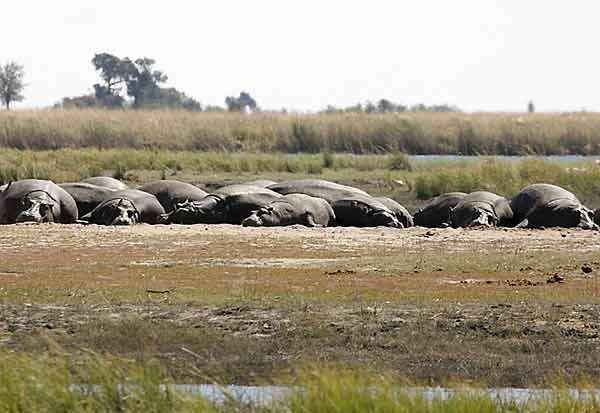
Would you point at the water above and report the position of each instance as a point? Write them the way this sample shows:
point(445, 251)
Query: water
point(267, 395)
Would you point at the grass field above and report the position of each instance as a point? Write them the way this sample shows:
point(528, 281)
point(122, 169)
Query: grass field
point(408, 181)
point(413, 133)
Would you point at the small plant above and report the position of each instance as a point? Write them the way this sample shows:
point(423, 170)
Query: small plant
point(400, 162)
point(328, 160)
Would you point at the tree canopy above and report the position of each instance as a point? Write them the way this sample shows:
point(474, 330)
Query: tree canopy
point(11, 83)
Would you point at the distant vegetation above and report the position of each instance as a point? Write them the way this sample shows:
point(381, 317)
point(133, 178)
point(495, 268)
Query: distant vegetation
point(356, 133)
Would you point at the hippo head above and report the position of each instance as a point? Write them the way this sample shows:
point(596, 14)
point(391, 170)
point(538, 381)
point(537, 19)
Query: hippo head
point(210, 210)
point(473, 216)
point(377, 217)
point(117, 212)
point(569, 214)
point(37, 206)
point(269, 216)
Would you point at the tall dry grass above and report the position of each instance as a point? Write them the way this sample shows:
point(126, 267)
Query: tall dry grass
point(413, 133)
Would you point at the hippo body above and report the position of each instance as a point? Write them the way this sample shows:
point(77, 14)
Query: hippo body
point(329, 191)
point(436, 213)
point(481, 208)
point(293, 209)
point(170, 193)
point(546, 205)
point(402, 214)
point(126, 207)
point(106, 182)
point(263, 183)
point(86, 196)
point(35, 200)
point(363, 211)
point(227, 205)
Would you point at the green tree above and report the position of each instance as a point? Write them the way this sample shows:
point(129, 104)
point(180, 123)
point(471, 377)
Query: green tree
point(241, 103)
point(11, 83)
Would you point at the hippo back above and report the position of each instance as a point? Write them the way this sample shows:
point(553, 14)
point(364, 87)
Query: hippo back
point(436, 213)
point(538, 196)
point(86, 196)
point(11, 200)
point(106, 182)
point(169, 192)
point(263, 183)
point(240, 206)
point(330, 191)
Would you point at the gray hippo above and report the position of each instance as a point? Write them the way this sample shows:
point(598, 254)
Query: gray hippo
point(34, 200)
point(329, 191)
point(3, 187)
point(228, 205)
point(170, 193)
point(546, 205)
point(481, 209)
point(363, 211)
point(107, 182)
point(436, 213)
point(263, 183)
point(402, 214)
point(293, 209)
point(126, 207)
point(86, 196)
point(597, 216)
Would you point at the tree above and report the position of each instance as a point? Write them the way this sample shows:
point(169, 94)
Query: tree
point(531, 107)
point(242, 103)
point(11, 83)
point(142, 81)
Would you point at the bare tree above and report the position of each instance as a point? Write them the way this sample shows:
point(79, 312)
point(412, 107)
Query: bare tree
point(11, 83)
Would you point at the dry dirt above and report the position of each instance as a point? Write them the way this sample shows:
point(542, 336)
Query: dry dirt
point(503, 307)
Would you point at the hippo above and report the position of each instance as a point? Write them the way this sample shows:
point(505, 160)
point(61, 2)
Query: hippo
point(436, 213)
point(3, 187)
point(546, 205)
point(170, 193)
point(86, 196)
point(227, 205)
point(597, 216)
point(263, 183)
point(106, 182)
point(293, 209)
point(34, 200)
point(126, 207)
point(329, 191)
point(402, 214)
point(481, 208)
point(363, 211)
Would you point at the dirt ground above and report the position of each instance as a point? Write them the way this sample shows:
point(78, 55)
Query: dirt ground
point(503, 307)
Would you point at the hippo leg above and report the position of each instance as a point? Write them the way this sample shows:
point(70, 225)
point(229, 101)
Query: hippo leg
point(309, 220)
point(523, 224)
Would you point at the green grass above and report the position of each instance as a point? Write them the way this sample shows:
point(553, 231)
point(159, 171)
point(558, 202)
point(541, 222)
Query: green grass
point(393, 175)
point(45, 384)
point(414, 133)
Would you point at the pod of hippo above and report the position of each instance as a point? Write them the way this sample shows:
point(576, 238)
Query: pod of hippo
point(310, 202)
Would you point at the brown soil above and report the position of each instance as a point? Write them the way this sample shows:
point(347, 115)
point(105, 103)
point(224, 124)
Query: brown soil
point(503, 307)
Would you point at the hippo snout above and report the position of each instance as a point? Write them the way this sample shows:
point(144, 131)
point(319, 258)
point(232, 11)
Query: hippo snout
point(252, 221)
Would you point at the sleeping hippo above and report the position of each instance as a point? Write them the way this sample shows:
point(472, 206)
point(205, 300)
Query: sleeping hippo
point(170, 193)
point(481, 209)
point(363, 211)
point(402, 214)
point(597, 216)
point(329, 191)
point(34, 200)
point(126, 207)
point(106, 182)
point(3, 187)
point(228, 205)
point(86, 196)
point(293, 209)
point(263, 183)
point(436, 213)
point(546, 205)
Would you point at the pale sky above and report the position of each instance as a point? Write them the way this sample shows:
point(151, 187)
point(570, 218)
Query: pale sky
point(476, 54)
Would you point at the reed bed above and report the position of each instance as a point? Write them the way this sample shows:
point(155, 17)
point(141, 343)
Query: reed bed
point(95, 383)
point(412, 133)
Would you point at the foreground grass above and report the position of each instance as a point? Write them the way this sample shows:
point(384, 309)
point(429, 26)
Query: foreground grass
point(414, 133)
point(98, 384)
point(409, 181)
